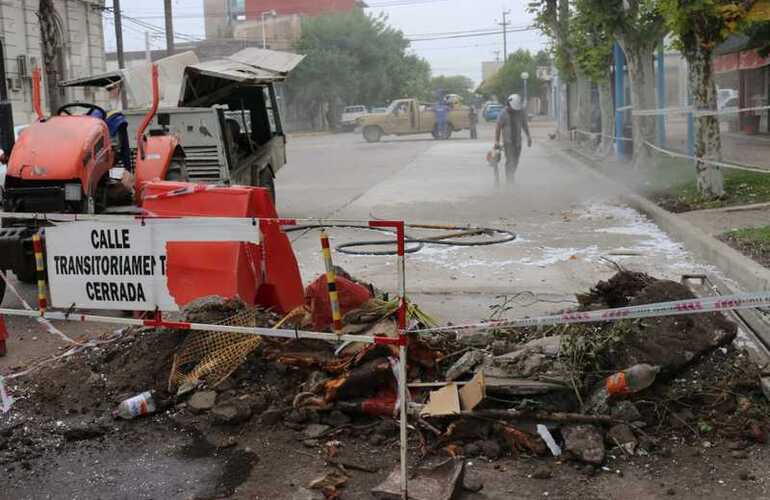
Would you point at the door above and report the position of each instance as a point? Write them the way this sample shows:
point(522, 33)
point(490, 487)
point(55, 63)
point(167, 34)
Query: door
point(401, 118)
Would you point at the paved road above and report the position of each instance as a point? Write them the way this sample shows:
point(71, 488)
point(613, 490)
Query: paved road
point(567, 222)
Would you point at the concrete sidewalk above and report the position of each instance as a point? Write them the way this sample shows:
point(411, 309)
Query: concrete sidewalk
point(721, 220)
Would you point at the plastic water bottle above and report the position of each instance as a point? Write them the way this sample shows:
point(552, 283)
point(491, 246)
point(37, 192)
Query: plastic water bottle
point(631, 380)
point(137, 406)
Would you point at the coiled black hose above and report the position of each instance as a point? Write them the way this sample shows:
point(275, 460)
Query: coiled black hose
point(414, 244)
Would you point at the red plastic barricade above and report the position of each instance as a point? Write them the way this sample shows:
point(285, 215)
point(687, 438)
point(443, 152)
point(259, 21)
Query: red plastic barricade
point(266, 274)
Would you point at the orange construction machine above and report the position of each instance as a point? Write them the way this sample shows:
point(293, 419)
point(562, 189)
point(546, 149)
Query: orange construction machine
point(82, 163)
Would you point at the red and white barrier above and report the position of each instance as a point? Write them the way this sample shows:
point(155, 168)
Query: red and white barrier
point(673, 308)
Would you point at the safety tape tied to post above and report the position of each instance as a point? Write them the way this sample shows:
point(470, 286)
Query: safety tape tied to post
point(673, 308)
point(599, 134)
point(735, 166)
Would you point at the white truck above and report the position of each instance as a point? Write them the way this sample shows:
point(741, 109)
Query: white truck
point(350, 117)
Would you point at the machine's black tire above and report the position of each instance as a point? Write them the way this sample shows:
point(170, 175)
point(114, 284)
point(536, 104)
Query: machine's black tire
point(266, 180)
point(2, 289)
point(372, 133)
point(27, 275)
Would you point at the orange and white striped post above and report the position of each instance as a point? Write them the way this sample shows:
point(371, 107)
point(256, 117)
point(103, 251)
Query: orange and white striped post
point(42, 295)
point(331, 282)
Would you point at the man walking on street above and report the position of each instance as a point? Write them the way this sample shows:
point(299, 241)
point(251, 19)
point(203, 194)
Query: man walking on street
point(474, 120)
point(510, 123)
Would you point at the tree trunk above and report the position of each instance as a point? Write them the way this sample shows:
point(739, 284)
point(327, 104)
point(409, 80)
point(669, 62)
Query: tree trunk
point(708, 142)
point(607, 109)
point(51, 40)
point(641, 72)
point(584, 107)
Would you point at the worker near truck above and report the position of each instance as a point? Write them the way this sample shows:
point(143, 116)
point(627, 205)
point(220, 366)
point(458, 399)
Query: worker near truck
point(510, 124)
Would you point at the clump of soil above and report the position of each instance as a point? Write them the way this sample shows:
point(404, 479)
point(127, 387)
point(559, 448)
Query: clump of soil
point(615, 292)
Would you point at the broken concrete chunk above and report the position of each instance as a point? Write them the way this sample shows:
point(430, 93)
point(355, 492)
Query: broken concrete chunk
point(585, 442)
point(626, 411)
point(438, 483)
point(315, 431)
point(478, 340)
point(622, 435)
point(202, 401)
point(465, 364)
point(231, 413)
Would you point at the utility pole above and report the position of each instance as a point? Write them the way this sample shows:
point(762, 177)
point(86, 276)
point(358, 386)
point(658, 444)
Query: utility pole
point(505, 24)
point(119, 33)
point(497, 55)
point(147, 47)
point(169, 27)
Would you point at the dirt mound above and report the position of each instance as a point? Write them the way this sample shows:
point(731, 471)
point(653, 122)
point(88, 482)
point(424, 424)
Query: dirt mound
point(668, 341)
point(616, 291)
point(95, 381)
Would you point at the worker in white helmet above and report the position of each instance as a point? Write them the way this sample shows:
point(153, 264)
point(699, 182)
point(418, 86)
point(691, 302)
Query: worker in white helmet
point(510, 123)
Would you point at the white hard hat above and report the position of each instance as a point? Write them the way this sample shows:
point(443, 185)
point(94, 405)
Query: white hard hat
point(514, 100)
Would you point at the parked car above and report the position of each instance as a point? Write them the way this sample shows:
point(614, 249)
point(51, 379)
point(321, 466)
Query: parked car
point(379, 110)
point(350, 117)
point(492, 111)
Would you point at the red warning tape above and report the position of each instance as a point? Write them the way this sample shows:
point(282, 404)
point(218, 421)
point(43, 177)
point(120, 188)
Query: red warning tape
point(674, 308)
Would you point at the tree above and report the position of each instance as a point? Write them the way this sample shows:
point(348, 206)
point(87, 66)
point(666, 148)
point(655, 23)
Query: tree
point(595, 59)
point(353, 58)
point(638, 26)
point(458, 84)
point(508, 79)
point(554, 18)
point(51, 41)
point(699, 26)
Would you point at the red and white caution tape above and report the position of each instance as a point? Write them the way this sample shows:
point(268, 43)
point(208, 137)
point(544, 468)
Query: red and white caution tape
point(696, 112)
point(735, 166)
point(675, 308)
point(43, 321)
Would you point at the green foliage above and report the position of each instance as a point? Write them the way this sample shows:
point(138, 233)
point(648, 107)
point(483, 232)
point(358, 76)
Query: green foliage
point(759, 37)
point(642, 22)
point(595, 56)
point(702, 24)
point(354, 58)
point(552, 17)
point(508, 79)
point(458, 84)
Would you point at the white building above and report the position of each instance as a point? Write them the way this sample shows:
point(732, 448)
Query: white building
point(82, 51)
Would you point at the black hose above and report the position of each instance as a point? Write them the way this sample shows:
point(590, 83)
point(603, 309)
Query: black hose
point(414, 245)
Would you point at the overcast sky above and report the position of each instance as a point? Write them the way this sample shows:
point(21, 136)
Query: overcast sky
point(449, 56)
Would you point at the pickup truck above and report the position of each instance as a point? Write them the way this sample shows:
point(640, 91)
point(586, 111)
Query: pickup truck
point(409, 116)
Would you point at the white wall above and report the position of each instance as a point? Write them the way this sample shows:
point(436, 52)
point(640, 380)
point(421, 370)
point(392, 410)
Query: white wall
point(83, 49)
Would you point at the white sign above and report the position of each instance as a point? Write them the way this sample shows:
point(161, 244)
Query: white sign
point(122, 265)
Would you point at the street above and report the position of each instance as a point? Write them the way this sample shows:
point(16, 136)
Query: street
point(569, 225)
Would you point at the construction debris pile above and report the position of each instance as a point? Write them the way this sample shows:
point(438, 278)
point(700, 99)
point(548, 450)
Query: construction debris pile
point(577, 392)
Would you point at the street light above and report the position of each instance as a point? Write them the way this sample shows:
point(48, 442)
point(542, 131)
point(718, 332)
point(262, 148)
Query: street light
point(525, 77)
point(272, 13)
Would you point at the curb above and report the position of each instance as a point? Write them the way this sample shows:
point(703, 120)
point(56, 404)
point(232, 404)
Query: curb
point(733, 264)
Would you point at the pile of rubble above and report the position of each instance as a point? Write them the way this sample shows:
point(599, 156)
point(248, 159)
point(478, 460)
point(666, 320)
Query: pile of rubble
point(507, 392)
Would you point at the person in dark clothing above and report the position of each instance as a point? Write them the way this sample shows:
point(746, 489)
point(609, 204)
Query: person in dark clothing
point(474, 119)
point(511, 122)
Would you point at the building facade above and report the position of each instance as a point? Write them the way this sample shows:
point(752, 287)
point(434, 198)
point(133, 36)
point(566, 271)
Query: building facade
point(81, 50)
point(276, 22)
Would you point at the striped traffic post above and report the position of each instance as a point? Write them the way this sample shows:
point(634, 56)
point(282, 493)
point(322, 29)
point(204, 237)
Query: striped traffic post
point(331, 282)
point(37, 246)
